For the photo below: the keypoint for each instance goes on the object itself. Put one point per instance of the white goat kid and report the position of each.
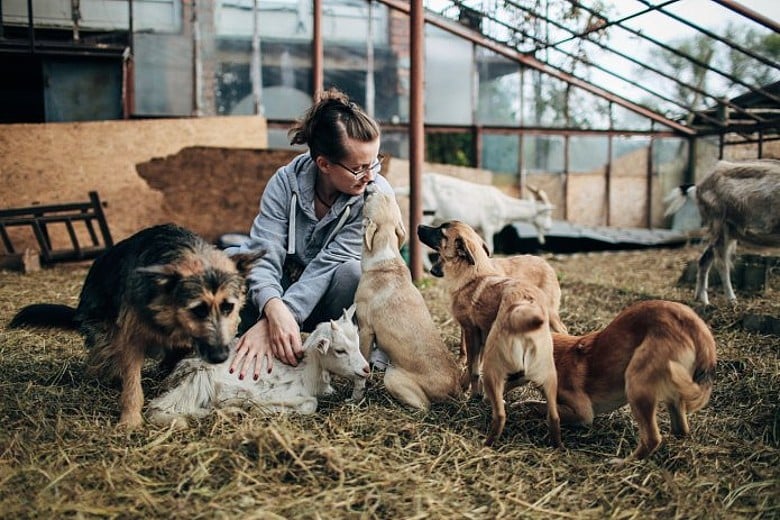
(738, 201)
(482, 206)
(195, 388)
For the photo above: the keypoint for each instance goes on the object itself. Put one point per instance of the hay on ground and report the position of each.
(61, 456)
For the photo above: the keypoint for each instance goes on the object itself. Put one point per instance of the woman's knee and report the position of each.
(347, 277)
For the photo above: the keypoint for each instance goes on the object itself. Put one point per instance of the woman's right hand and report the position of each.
(284, 334)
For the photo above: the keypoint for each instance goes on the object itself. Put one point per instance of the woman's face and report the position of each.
(359, 167)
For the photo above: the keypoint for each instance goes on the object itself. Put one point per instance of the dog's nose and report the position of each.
(213, 354)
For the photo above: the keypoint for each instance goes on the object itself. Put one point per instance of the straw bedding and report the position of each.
(61, 455)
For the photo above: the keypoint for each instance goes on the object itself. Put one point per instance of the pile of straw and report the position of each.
(62, 456)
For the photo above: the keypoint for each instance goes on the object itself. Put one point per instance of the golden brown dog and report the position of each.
(474, 282)
(512, 314)
(163, 290)
(652, 352)
(392, 313)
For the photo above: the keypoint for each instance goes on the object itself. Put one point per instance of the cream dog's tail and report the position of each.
(695, 394)
(525, 316)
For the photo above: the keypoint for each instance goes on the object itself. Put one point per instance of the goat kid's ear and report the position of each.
(246, 261)
(317, 339)
(463, 251)
(350, 312)
(368, 236)
(164, 275)
(322, 344)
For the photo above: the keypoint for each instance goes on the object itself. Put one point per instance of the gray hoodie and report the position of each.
(287, 225)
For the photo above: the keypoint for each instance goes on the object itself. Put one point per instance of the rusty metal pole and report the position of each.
(416, 133)
(317, 76)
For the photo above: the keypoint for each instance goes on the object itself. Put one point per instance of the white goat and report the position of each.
(195, 387)
(737, 201)
(482, 206)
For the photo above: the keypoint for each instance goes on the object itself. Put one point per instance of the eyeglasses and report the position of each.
(362, 172)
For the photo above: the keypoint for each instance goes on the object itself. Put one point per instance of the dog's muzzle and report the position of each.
(428, 235)
(212, 353)
(437, 269)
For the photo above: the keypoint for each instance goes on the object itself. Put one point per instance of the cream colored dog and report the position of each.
(391, 312)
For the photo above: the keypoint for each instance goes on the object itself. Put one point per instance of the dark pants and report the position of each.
(339, 296)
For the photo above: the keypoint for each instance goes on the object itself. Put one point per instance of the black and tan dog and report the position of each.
(164, 291)
(511, 316)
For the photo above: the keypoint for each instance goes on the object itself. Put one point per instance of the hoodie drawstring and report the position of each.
(291, 225)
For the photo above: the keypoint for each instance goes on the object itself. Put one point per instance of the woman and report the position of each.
(310, 224)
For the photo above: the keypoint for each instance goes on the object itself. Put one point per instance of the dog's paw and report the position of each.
(130, 421)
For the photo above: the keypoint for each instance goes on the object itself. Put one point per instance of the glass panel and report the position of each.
(163, 75)
(543, 153)
(499, 89)
(448, 78)
(628, 182)
(450, 148)
(586, 190)
(500, 155)
(543, 100)
(587, 153)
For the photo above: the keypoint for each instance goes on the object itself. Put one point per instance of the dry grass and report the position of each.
(60, 455)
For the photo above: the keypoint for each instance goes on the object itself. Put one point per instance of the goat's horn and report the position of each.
(539, 193)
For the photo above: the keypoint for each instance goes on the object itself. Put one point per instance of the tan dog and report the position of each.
(652, 352)
(392, 313)
(512, 314)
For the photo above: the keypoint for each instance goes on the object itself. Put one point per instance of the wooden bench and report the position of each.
(41, 218)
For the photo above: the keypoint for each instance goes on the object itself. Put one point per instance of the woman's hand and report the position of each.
(253, 346)
(284, 334)
(275, 335)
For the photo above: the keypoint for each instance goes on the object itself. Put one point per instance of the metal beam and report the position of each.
(416, 132)
(534, 63)
(317, 52)
(749, 13)
(676, 52)
(609, 72)
(710, 34)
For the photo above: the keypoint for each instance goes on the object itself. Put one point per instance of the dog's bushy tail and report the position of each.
(525, 317)
(45, 315)
(695, 394)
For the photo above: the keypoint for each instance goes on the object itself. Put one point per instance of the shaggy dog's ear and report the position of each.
(164, 275)
(463, 251)
(485, 247)
(368, 235)
(246, 261)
